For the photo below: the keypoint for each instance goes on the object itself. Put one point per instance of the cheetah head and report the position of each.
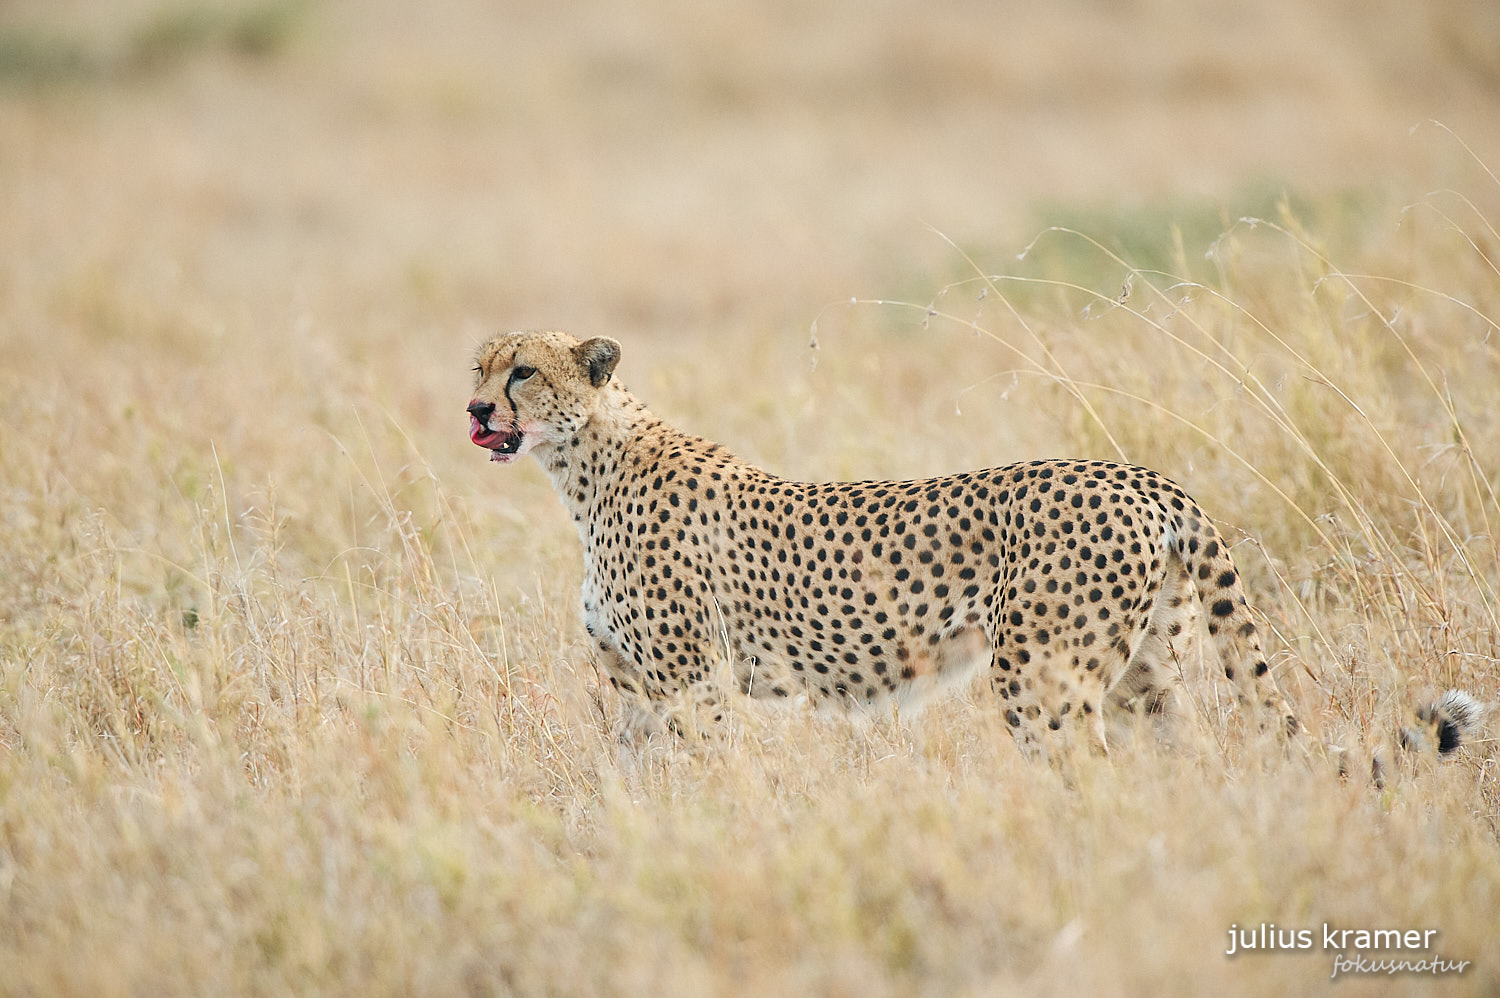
(534, 389)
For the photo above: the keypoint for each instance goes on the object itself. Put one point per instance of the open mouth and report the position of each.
(503, 445)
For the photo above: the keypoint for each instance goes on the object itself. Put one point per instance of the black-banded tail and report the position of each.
(1453, 719)
(1442, 727)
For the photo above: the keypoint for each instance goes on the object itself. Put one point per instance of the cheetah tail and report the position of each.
(1454, 719)
(1235, 637)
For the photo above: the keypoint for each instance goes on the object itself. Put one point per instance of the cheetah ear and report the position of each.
(598, 357)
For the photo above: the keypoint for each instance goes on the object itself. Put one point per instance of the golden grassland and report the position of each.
(293, 696)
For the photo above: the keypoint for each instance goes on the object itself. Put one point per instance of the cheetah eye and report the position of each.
(522, 373)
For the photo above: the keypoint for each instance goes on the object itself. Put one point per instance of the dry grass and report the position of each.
(292, 696)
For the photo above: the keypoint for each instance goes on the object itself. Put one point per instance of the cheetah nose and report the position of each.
(481, 411)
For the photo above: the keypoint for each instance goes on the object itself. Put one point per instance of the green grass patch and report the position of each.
(163, 41)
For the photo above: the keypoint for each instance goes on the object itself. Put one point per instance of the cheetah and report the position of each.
(1067, 580)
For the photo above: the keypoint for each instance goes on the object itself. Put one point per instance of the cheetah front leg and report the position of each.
(641, 714)
(690, 712)
(690, 702)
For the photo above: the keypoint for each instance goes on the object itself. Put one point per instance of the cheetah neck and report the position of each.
(592, 463)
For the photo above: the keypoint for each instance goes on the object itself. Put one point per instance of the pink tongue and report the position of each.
(488, 439)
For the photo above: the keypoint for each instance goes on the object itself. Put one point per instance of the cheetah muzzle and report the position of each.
(1069, 583)
(502, 445)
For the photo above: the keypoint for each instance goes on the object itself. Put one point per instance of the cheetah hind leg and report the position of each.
(1042, 696)
(1152, 683)
(1036, 723)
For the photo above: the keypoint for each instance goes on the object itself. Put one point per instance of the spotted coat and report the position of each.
(1067, 580)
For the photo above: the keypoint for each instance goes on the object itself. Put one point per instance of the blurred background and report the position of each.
(269, 215)
(675, 168)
